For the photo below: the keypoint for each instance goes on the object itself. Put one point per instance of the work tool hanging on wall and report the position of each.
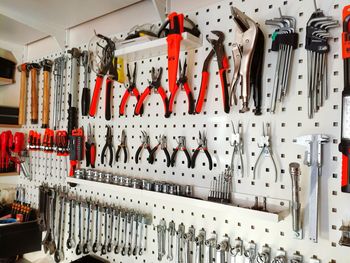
(90, 148)
(76, 147)
(73, 91)
(85, 96)
(344, 146)
(131, 90)
(47, 67)
(156, 87)
(58, 99)
(101, 64)
(284, 41)
(23, 93)
(218, 49)
(248, 56)
(316, 44)
(34, 97)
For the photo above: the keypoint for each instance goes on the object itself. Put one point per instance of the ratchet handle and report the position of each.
(96, 96)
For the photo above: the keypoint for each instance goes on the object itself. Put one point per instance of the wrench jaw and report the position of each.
(265, 255)
(223, 249)
(250, 252)
(237, 249)
(171, 234)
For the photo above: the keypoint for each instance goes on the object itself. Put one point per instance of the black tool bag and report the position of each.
(18, 238)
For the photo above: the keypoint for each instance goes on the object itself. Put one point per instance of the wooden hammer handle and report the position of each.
(22, 99)
(46, 100)
(34, 96)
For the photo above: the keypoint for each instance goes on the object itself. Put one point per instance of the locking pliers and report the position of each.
(247, 58)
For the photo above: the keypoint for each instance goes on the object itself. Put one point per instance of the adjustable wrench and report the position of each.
(171, 234)
(189, 240)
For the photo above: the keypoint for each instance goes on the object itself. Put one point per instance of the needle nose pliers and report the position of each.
(156, 86)
(145, 144)
(130, 91)
(121, 146)
(108, 145)
(202, 145)
(182, 84)
(181, 146)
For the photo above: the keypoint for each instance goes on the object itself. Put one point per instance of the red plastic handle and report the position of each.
(174, 42)
(202, 92)
(123, 103)
(172, 99)
(165, 100)
(143, 96)
(92, 155)
(96, 96)
(73, 166)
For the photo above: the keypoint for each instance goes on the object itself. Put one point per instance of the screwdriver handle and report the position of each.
(92, 155)
(85, 101)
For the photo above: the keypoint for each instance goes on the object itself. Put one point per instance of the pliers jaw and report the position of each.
(156, 77)
(131, 79)
(202, 145)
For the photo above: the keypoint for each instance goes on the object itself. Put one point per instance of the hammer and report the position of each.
(23, 93)
(34, 69)
(47, 67)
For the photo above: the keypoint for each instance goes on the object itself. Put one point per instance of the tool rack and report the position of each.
(290, 121)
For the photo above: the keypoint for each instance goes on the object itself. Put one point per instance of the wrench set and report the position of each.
(207, 247)
(92, 226)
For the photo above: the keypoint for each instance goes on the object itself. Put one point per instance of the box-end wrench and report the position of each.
(117, 214)
(180, 243)
(104, 245)
(95, 245)
(78, 248)
(250, 252)
(210, 244)
(265, 255)
(130, 233)
(146, 220)
(124, 232)
(111, 229)
(223, 249)
(161, 233)
(70, 240)
(86, 247)
(59, 253)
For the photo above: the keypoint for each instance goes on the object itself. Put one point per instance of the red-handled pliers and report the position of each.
(155, 85)
(130, 91)
(182, 84)
(219, 51)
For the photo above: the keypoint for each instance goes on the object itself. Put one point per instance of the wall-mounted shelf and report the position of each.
(9, 174)
(157, 47)
(167, 198)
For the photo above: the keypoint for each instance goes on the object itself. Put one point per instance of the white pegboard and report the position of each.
(289, 122)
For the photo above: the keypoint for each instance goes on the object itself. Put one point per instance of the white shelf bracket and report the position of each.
(162, 7)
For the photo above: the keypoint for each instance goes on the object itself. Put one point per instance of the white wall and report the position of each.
(9, 94)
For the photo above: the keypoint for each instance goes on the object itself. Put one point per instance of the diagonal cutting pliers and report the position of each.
(145, 144)
(181, 146)
(162, 142)
(156, 86)
(121, 146)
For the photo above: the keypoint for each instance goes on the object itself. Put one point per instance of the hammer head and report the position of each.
(34, 66)
(22, 67)
(47, 64)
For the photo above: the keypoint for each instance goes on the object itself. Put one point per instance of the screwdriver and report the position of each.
(344, 146)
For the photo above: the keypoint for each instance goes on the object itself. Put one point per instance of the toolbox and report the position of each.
(19, 238)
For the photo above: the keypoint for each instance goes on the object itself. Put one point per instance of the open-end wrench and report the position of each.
(78, 248)
(59, 253)
(124, 231)
(180, 243)
(161, 235)
(111, 229)
(145, 220)
(199, 240)
(250, 252)
(223, 249)
(86, 248)
(117, 214)
(189, 240)
(131, 232)
(135, 235)
(210, 244)
(265, 255)
(171, 234)
(52, 244)
(104, 245)
(70, 240)
(95, 245)
(237, 248)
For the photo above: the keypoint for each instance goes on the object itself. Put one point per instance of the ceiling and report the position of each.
(25, 21)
